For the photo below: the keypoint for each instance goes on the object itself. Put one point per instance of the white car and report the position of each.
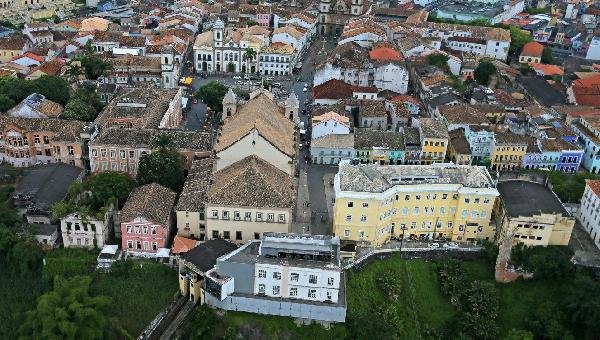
(239, 82)
(451, 245)
(246, 77)
(237, 77)
(304, 89)
(270, 78)
(306, 85)
(433, 245)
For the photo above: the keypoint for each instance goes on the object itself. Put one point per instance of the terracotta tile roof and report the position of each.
(372, 108)
(365, 138)
(507, 137)
(459, 142)
(532, 49)
(594, 185)
(331, 115)
(183, 140)
(194, 195)
(151, 201)
(144, 107)
(337, 89)
(587, 91)
(557, 144)
(294, 31)
(548, 70)
(278, 48)
(431, 128)
(15, 42)
(267, 117)
(385, 52)
(348, 55)
(63, 130)
(182, 244)
(402, 98)
(31, 56)
(463, 114)
(252, 182)
(334, 141)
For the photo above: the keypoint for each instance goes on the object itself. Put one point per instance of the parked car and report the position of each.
(276, 84)
(239, 82)
(203, 75)
(433, 245)
(247, 77)
(270, 78)
(451, 245)
(304, 89)
(237, 77)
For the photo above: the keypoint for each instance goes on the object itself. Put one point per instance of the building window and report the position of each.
(361, 234)
(294, 277)
(276, 290)
(363, 218)
(350, 204)
(236, 215)
(128, 229)
(225, 214)
(262, 273)
(238, 235)
(281, 218)
(153, 230)
(348, 218)
(365, 205)
(215, 234)
(214, 214)
(226, 235)
(312, 279)
(257, 236)
(330, 281)
(277, 275)
(248, 216)
(129, 244)
(312, 293)
(145, 229)
(270, 217)
(347, 233)
(293, 292)
(261, 288)
(259, 216)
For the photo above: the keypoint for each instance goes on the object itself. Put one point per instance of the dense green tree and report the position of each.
(109, 187)
(547, 57)
(552, 262)
(6, 103)
(164, 166)
(19, 252)
(484, 71)
(481, 310)
(518, 334)
(15, 88)
(53, 88)
(518, 38)
(212, 94)
(547, 321)
(453, 280)
(583, 305)
(439, 60)
(204, 323)
(68, 312)
(77, 109)
(569, 188)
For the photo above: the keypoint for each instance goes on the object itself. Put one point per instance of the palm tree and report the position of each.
(249, 54)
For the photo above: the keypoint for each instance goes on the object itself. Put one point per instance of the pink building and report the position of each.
(263, 19)
(146, 218)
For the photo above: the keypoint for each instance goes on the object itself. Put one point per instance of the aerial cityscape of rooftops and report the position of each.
(292, 169)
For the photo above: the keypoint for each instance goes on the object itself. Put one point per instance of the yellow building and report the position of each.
(508, 150)
(434, 140)
(376, 202)
(13, 46)
(191, 207)
(530, 213)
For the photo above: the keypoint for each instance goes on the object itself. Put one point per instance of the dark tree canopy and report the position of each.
(53, 88)
(84, 105)
(108, 187)
(164, 166)
(547, 57)
(484, 71)
(212, 94)
(68, 312)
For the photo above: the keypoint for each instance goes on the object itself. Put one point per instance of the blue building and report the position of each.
(588, 130)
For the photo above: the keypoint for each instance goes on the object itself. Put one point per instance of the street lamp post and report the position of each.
(402, 239)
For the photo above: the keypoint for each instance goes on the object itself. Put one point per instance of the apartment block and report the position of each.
(375, 202)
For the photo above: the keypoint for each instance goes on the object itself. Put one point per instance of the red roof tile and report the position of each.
(533, 49)
(548, 70)
(587, 91)
(384, 53)
(594, 184)
(31, 56)
(182, 244)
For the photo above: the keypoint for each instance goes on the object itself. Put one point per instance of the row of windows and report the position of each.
(225, 215)
(293, 292)
(418, 197)
(413, 225)
(295, 277)
(113, 153)
(139, 245)
(140, 229)
(275, 59)
(227, 235)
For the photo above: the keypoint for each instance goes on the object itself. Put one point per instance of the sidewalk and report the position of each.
(302, 216)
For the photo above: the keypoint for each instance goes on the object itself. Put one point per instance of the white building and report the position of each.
(224, 50)
(282, 274)
(589, 217)
(332, 148)
(291, 35)
(330, 123)
(79, 230)
(593, 52)
(277, 59)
